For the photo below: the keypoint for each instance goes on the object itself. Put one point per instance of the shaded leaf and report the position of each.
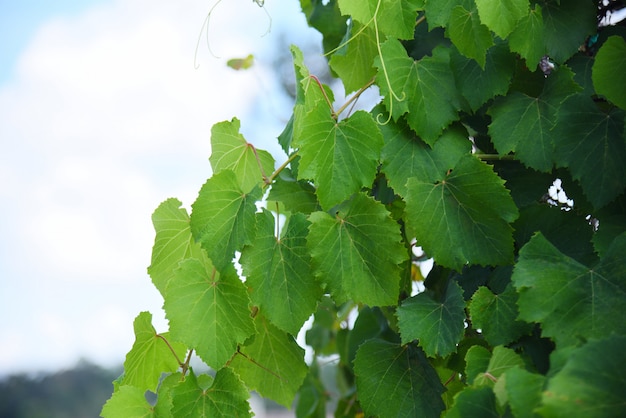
(469, 35)
(527, 38)
(474, 402)
(566, 26)
(523, 390)
(609, 71)
(354, 62)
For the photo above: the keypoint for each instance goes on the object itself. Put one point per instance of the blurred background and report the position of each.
(106, 108)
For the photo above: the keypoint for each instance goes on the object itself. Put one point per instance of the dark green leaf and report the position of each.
(474, 402)
(527, 38)
(566, 25)
(523, 390)
(609, 71)
(396, 381)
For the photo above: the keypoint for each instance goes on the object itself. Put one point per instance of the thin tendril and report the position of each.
(205, 23)
(332, 51)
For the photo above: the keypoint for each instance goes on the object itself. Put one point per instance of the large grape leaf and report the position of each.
(357, 252)
(226, 396)
(464, 217)
(396, 381)
(590, 142)
(273, 364)
(354, 62)
(569, 299)
(208, 311)
(424, 88)
(150, 355)
(527, 38)
(172, 244)
(502, 16)
(523, 390)
(295, 195)
(230, 151)
(438, 323)
(339, 157)
(496, 315)
(404, 155)
(523, 123)
(609, 71)
(592, 382)
(567, 25)
(128, 402)
(474, 402)
(469, 35)
(438, 12)
(476, 84)
(395, 18)
(222, 217)
(278, 272)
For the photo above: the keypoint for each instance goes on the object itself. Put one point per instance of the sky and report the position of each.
(103, 115)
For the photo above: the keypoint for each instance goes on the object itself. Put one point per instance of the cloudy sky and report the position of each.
(102, 117)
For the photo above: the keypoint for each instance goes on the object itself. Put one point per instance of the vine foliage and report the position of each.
(484, 104)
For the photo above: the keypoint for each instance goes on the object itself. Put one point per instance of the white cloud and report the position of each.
(105, 118)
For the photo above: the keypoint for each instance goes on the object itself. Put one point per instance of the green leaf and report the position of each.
(476, 362)
(326, 18)
(569, 299)
(609, 71)
(590, 142)
(396, 381)
(222, 217)
(424, 87)
(502, 16)
(478, 85)
(502, 359)
(438, 12)
(523, 390)
(469, 35)
(150, 355)
(127, 402)
(173, 242)
(523, 124)
(567, 25)
(464, 217)
(279, 274)
(354, 62)
(226, 397)
(395, 18)
(592, 382)
(340, 158)
(208, 311)
(273, 364)
(474, 402)
(404, 155)
(527, 39)
(241, 63)
(438, 324)
(357, 252)
(496, 315)
(230, 151)
(296, 196)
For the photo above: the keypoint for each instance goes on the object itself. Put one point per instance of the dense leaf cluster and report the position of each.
(484, 104)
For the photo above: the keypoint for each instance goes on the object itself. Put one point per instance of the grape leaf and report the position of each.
(438, 12)
(230, 151)
(326, 18)
(591, 143)
(502, 359)
(404, 155)
(476, 362)
(396, 381)
(226, 397)
(340, 157)
(527, 38)
(592, 382)
(354, 62)
(464, 217)
(469, 35)
(273, 364)
(502, 16)
(523, 390)
(474, 402)
(127, 402)
(609, 71)
(279, 274)
(477, 84)
(208, 311)
(295, 195)
(395, 18)
(222, 217)
(569, 299)
(437, 324)
(357, 252)
(523, 124)
(424, 87)
(566, 25)
(150, 355)
(172, 244)
(496, 315)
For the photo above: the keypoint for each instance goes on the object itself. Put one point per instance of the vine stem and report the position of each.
(180, 363)
(258, 161)
(494, 157)
(321, 86)
(271, 178)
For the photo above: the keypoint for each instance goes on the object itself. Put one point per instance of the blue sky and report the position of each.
(102, 117)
